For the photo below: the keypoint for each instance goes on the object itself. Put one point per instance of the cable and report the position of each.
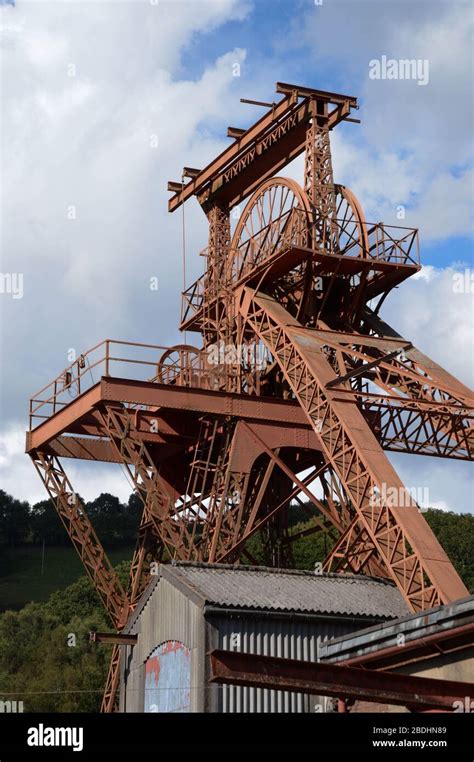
(99, 690)
(183, 245)
(90, 369)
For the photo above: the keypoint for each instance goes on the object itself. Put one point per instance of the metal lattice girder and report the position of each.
(109, 699)
(222, 463)
(240, 489)
(402, 538)
(420, 409)
(435, 373)
(318, 175)
(333, 514)
(218, 245)
(79, 528)
(157, 495)
(254, 520)
(148, 545)
(355, 552)
(140, 575)
(269, 144)
(227, 494)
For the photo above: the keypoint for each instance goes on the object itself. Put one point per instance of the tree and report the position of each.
(45, 524)
(455, 532)
(14, 520)
(46, 657)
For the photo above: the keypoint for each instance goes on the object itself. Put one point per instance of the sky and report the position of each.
(103, 102)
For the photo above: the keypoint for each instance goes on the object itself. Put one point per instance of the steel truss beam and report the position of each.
(402, 539)
(318, 176)
(73, 515)
(245, 492)
(153, 396)
(103, 576)
(158, 496)
(419, 409)
(113, 676)
(269, 144)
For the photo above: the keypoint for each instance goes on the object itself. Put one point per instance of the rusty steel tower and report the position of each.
(295, 386)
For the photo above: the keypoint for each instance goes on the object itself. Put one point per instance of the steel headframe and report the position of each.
(298, 388)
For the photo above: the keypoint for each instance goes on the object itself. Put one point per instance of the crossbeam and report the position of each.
(364, 368)
(114, 638)
(264, 148)
(317, 679)
(310, 92)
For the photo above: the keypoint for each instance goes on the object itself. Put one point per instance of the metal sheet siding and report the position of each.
(173, 612)
(168, 678)
(167, 616)
(291, 639)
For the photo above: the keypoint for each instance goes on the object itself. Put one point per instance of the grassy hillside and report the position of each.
(21, 578)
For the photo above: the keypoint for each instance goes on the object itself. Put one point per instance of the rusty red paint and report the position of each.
(153, 666)
(260, 288)
(171, 646)
(167, 678)
(174, 645)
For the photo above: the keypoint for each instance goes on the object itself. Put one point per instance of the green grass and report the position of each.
(22, 581)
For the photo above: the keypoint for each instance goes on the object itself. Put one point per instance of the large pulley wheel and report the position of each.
(276, 218)
(349, 233)
(277, 224)
(178, 365)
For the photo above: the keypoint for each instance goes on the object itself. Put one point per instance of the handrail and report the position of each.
(368, 241)
(378, 242)
(181, 367)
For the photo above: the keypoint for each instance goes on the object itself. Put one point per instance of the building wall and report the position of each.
(170, 624)
(290, 638)
(458, 666)
(167, 617)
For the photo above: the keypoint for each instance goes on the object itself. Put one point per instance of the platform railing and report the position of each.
(367, 241)
(121, 359)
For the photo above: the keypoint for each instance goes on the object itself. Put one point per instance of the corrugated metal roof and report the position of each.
(423, 624)
(253, 587)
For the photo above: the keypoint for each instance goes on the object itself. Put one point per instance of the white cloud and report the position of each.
(428, 311)
(84, 141)
(447, 484)
(438, 203)
(414, 145)
(18, 476)
(445, 209)
(84, 214)
(83, 93)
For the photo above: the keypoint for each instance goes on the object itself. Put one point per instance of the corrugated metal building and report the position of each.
(438, 643)
(190, 609)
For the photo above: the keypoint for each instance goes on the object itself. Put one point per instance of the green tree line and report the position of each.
(46, 658)
(24, 524)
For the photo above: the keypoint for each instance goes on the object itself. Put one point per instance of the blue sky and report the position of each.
(270, 33)
(83, 139)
